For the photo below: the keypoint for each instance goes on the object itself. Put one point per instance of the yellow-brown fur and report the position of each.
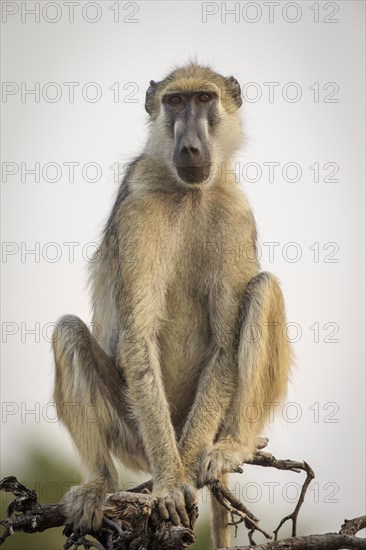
(175, 288)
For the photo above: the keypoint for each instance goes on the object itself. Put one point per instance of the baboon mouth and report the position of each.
(194, 174)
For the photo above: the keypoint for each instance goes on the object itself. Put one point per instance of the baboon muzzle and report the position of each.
(192, 158)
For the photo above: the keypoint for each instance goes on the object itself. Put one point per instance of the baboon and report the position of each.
(186, 330)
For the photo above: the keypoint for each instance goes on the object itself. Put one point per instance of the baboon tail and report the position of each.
(220, 521)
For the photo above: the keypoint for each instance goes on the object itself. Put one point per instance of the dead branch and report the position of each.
(343, 540)
(266, 459)
(131, 521)
(235, 507)
(128, 521)
(353, 526)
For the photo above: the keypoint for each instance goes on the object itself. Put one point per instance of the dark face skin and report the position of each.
(191, 117)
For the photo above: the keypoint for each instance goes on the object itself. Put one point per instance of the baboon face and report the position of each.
(191, 116)
(191, 107)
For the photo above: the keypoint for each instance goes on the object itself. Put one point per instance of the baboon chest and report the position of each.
(184, 330)
(206, 259)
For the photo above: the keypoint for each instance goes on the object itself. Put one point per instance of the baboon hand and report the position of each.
(225, 456)
(175, 502)
(83, 507)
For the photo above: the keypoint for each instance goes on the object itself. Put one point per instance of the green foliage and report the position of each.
(203, 534)
(51, 477)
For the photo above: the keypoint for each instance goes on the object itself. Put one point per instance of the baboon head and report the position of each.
(194, 121)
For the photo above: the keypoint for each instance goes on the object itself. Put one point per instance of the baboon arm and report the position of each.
(217, 380)
(139, 357)
(215, 390)
(257, 374)
(140, 304)
(146, 389)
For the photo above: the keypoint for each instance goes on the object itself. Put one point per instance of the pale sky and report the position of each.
(302, 75)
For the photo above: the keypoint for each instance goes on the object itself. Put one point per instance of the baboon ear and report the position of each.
(233, 90)
(150, 97)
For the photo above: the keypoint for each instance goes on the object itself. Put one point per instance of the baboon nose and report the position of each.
(190, 150)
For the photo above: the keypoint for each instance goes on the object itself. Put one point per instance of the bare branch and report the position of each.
(353, 526)
(236, 507)
(328, 541)
(131, 520)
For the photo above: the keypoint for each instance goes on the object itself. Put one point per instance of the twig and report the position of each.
(266, 459)
(234, 506)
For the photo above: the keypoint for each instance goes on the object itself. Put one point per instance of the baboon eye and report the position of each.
(204, 98)
(175, 99)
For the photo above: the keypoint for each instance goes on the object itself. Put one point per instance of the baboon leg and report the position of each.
(90, 401)
(264, 358)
